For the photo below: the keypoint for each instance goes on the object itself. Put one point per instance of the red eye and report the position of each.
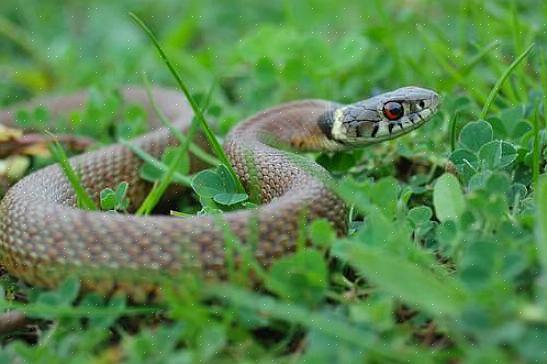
(393, 110)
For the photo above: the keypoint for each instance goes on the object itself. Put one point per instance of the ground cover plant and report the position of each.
(447, 251)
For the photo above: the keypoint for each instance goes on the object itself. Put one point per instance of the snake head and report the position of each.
(383, 117)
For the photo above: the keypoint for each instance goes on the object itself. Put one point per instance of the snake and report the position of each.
(44, 236)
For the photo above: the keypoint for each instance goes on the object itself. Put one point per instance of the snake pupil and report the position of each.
(393, 110)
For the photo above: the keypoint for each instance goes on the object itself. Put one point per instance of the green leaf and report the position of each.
(23, 119)
(339, 162)
(466, 161)
(477, 263)
(448, 198)
(498, 154)
(384, 194)
(321, 233)
(152, 173)
(404, 279)
(210, 341)
(476, 134)
(218, 184)
(447, 232)
(324, 349)
(68, 290)
(355, 193)
(509, 119)
(301, 277)
(376, 309)
(114, 200)
(121, 196)
(229, 199)
(133, 124)
(330, 325)
(498, 182)
(108, 199)
(420, 214)
(532, 344)
(208, 183)
(64, 295)
(478, 181)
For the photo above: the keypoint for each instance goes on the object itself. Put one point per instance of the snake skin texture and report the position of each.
(44, 237)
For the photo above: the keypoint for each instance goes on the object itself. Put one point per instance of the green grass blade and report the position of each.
(543, 76)
(499, 83)
(215, 145)
(479, 57)
(196, 150)
(404, 279)
(84, 200)
(536, 148)
(38, 309)
(336, 328)
(177, 177)
(453, 137)
(541, 230)
(159, 188)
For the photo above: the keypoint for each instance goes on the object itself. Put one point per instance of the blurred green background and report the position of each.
(264, 52)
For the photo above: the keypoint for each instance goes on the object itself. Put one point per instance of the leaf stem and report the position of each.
(215, 145)
(499, 83)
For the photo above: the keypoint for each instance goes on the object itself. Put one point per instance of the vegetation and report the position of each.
(446, 259)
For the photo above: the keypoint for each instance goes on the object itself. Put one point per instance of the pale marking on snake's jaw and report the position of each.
(338, 131)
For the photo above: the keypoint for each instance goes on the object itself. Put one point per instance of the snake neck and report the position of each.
(302, 126)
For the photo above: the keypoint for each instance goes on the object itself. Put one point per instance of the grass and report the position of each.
(438, 268)
(84, 201)
(163, 183)
(213, 142)
(502, 79)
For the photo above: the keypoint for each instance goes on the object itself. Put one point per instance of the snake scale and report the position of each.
(44, 237)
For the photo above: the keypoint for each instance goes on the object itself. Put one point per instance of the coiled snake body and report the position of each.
(43, 236)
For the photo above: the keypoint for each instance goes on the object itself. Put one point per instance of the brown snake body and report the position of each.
(43, 236)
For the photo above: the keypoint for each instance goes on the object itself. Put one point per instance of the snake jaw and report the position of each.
(384, 117)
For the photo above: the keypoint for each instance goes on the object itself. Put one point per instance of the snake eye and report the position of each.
(393, 110)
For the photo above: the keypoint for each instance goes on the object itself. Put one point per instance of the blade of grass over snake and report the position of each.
(543, 77)
(215, 145)
(159, 188)
(536, 147)
(541, 230)
(177, 177)
(84, 200)
(196, 150)
(501, 80)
